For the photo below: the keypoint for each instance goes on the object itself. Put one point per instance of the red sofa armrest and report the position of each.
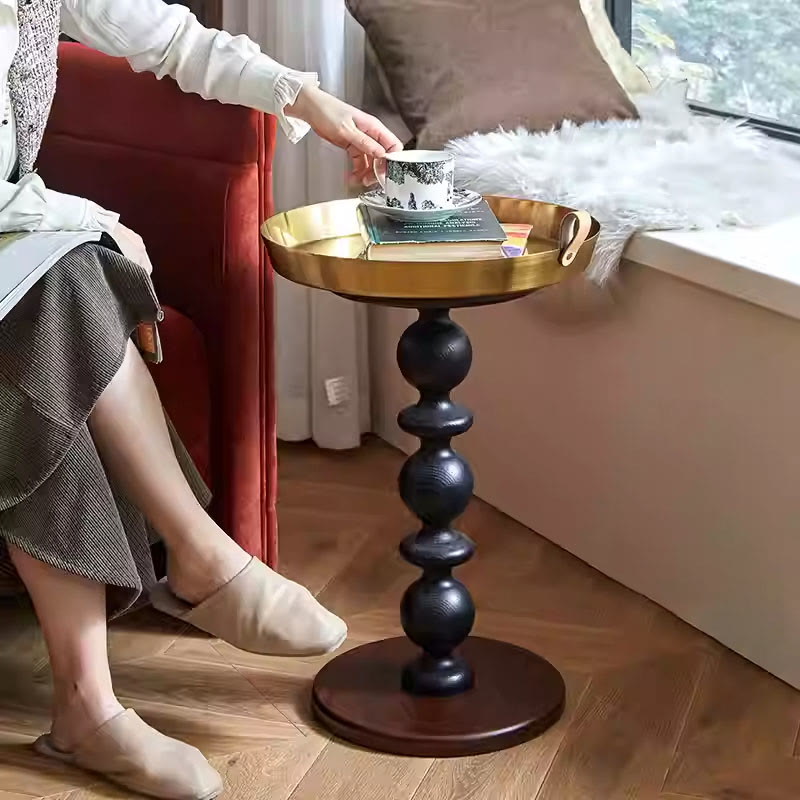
(194, 179)
(172, 164)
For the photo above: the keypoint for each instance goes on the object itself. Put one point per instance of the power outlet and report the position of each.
(337, 391)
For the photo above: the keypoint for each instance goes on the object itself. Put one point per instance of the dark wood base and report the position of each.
(517, 696)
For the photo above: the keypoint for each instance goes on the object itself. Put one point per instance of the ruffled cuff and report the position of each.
(99, 219)
(287, 88)
(269, 87)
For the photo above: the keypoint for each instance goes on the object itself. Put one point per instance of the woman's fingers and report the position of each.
(367, 140)
(361, 165)
(132, 246)
(363, 152)
(360, 142)
(370, 136)
(378, 132)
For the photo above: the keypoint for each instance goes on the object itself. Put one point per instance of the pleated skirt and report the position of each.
(60, 347)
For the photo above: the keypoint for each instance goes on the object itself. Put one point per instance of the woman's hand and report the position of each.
(132, 247)
(364, 137)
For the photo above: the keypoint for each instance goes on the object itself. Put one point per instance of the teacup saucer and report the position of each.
(462, 200)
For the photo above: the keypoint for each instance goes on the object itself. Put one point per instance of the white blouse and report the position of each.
(155, 37)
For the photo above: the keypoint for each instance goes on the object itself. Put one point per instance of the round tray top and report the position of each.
(321, 246)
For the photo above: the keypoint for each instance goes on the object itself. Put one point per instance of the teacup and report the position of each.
(417, 180)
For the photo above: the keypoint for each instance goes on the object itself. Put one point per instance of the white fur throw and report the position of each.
(671, 169)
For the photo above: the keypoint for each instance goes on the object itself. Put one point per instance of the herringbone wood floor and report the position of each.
(656, 710)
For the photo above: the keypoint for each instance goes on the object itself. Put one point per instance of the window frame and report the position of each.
(620, 12)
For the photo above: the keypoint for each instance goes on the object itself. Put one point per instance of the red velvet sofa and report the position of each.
(194, 179)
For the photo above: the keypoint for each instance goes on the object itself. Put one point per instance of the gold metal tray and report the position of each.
(320, 246)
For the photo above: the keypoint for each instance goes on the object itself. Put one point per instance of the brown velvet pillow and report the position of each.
(460, 66)
(378, 99)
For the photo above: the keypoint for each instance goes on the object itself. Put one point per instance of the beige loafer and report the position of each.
(261, 612)
(127, 751)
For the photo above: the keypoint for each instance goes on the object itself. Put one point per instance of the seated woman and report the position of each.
(88, 463)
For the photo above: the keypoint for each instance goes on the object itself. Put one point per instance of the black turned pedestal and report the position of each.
(438, 692)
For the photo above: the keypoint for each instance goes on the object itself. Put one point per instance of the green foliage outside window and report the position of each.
(741, 56)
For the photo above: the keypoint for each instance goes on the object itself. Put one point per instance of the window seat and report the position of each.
(759, 265)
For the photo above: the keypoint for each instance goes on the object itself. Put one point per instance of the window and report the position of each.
(740, 57)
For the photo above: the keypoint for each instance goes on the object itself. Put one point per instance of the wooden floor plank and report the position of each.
(520, 573)
(143, 634)
(316, 546)
(272, 773)
(377, 576)
(25, 703)
(343, 772)
(624, 733)
(515, 774)
(735, 735)
(23, 771)
(671, 796)
(192, 685)
(301, 462)
(22, 646)
(101, 790)
(346, 501)
(213, 733)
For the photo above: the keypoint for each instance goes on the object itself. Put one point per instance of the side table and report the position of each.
(436, 692)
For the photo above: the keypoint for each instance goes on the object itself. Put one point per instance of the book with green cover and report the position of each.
(471, 234)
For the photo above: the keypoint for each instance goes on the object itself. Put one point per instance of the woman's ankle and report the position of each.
(196, 570)
(78, 711)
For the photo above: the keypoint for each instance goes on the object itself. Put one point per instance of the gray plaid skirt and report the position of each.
(59, 349)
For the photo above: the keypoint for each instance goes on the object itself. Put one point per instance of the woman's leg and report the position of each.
(72, 614)
(264, 613)
(131, 435)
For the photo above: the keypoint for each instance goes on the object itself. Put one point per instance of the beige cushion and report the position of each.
(630, 77)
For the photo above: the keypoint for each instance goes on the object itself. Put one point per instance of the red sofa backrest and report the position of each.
(191, 176)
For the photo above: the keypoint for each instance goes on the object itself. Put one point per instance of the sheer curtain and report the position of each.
(320, 337)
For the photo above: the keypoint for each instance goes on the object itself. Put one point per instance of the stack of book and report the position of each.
(474, 234)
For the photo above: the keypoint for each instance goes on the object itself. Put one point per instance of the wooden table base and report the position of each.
(517, 695)
(438, 692)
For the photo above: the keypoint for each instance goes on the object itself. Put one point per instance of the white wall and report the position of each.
(655, 434)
